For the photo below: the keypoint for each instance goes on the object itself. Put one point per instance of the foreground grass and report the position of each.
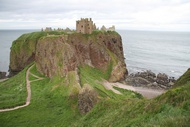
(53, 105)
(159, 112)
(13, 91)
(49, 106)
(172, 109)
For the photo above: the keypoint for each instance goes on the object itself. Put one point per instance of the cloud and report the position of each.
(124, 14)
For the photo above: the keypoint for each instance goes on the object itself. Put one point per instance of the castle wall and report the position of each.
(84, 26)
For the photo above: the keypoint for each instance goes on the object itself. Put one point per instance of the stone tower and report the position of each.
(85, 26)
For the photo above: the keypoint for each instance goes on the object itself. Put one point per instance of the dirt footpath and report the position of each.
(146, 92)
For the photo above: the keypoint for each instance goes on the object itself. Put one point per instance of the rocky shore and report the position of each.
(150, 80)
(3, 75)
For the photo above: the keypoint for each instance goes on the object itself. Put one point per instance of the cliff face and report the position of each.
(56, 55)
(22, 53)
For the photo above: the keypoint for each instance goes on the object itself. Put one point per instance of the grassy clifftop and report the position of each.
(23, 49)
(55, 51)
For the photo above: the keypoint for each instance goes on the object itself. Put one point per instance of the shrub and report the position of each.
(87, 98)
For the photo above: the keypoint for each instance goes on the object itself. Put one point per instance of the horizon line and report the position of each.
(115, 30)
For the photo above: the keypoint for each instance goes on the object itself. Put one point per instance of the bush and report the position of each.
(87, 98)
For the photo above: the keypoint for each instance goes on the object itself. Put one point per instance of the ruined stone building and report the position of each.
(85, 26)
(47, 29)
(112, 28)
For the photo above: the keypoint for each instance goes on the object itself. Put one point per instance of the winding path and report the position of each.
(28, 91)
(2, 80)
(146, 92)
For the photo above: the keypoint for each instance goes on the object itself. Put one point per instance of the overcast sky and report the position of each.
(170, 15)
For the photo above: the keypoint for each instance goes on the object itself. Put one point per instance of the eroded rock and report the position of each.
(2, 75)
(56, 55)
(162, 79)
(87, 98)
(150, 79)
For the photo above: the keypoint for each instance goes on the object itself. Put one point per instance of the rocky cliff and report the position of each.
(56, 54)
(23, 50)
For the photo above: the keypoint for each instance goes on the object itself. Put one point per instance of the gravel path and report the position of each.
(28, 91)
(1, 80)
(146, 92)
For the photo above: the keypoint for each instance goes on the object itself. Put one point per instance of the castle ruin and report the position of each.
(85, 26)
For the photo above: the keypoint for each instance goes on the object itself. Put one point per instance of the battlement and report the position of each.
(85, 19)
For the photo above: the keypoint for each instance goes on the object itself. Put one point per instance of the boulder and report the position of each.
(172, 79)
(155, 84)
(163, 86)
(2, 75)
(149, 75)
(170, 83)
(150, 85)
(141, 81)
(118, 73)
(151, 79)
(162, 78)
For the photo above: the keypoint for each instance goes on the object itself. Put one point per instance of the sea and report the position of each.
(160, 52)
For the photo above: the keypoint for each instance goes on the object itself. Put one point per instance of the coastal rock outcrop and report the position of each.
(23, 52)
(2, 75)
(57, 54)
(63, 53)
(150, 79)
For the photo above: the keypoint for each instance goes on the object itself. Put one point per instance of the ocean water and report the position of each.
(6, 39)
(165, 52)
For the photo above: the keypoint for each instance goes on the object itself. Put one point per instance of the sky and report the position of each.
(160, 15)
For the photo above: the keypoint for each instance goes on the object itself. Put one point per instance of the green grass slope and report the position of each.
(183, 79)
(50, 106)
(171, 109)
(53, 105)
(13, 91)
